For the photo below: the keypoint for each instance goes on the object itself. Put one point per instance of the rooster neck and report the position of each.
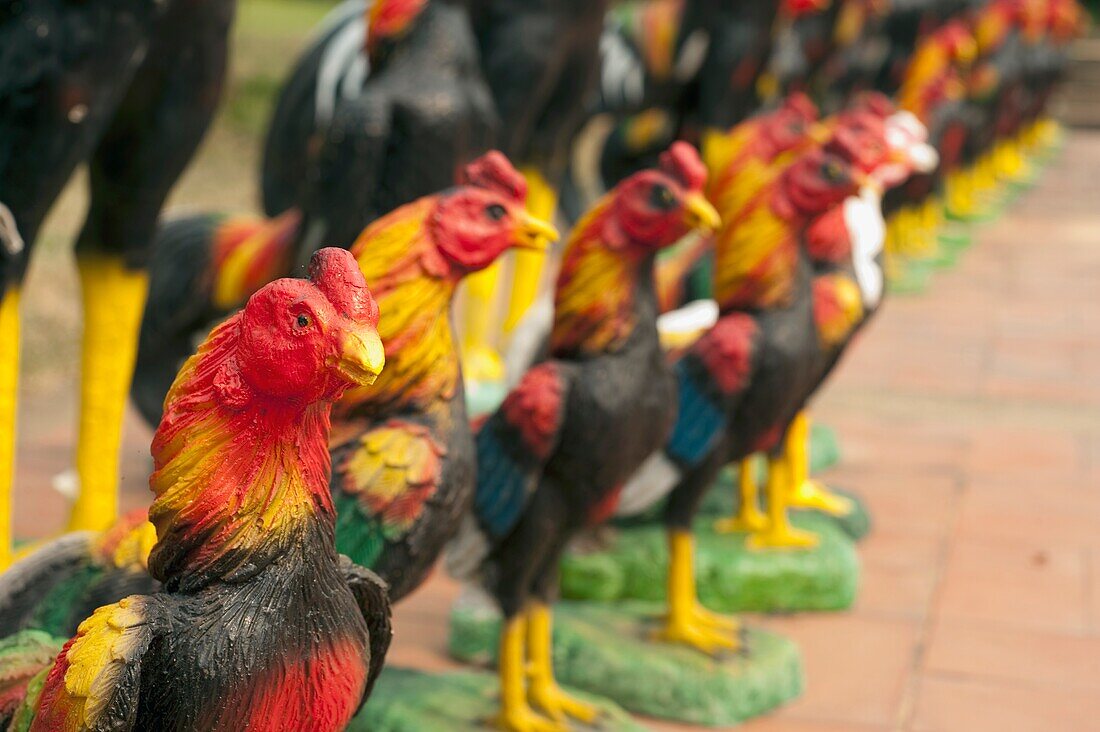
(239, 490)
(756, 255)
(414, 287)
(596, 298)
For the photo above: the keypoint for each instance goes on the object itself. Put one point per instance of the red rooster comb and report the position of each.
(682, 163)
(797, 8)
(493, 172)
(802, 105)
(335, 272)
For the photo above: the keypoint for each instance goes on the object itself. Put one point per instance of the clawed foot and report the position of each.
(748, 520)
(703, 630)
(812, 494)
(559, 706)
(782, 537)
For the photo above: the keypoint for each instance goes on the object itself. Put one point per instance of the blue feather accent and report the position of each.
(502, 482)
(699, 421)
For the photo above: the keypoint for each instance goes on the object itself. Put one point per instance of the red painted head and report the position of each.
(788, 127)
(860, 139)
(475, 223)
(308, 340)
(655, 208)
(814, 184)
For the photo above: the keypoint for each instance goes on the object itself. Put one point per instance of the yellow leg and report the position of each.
(688, 622)
(113, 300)
(780, 534)
(805, 492)
(515, 714)
(544, 691)
(749, 516)
(542, 200)
(480, 361)
(9, 391)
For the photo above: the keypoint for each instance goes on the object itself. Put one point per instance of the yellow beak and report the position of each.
(820, 132)
(536, 234)
(362, 357)
(699, 214)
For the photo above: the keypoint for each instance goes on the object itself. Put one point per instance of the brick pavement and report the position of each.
(969, 419)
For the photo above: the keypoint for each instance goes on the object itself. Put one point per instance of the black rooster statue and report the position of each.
(552, 458)
(127, 87)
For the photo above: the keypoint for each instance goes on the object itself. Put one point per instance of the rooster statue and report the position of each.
(744, 383)
(402, 451)
(539, 60)
(332, 166)
(552, 458)
(261, 624)
(421, 114)
(128, 88)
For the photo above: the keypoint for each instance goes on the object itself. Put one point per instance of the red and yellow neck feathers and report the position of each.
(756, 256)
(757, 248)
(743, 160)
(241, 461)
(603, 261)
(413, 284)
(933, 74)
(232, 477)
(594, 299)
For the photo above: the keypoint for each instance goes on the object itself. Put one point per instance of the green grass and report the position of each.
(268, 36)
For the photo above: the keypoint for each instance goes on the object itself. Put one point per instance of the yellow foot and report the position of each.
(524, 719)
(716, 620)
(559, 706)
(812, 494)
(482, 364)
(703, 631)
(746, 521)
(782, 537)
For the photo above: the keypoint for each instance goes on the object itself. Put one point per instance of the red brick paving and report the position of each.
(969, 418)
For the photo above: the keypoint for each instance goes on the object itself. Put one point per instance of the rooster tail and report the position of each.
(654, 480)
(203, 267)
(25, 658)
(178, 309)
(37, 590)
(59, 584)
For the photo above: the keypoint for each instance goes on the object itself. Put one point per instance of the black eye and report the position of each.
(661, 198)
(304, 321)
(495, 211)
(832, 172)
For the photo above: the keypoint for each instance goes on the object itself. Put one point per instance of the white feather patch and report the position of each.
(867, 232)
(654, 480)
(697, 315)
(343, 53)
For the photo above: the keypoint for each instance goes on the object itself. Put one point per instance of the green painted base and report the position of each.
(604, 649)
(955, 237)
(406, 700)
(730, 578)
(910, 277)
